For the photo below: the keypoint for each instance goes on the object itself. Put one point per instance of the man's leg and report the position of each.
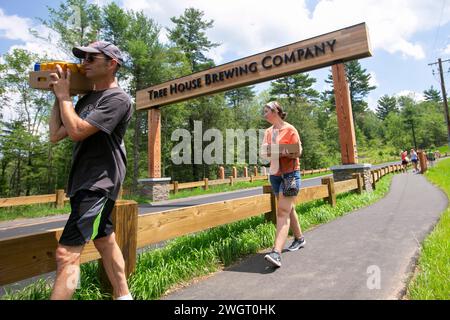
(113, 263)
(67, 272)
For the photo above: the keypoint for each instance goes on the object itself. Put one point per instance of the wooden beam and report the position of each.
(153, 228)
(18, 201)
(154, 143)
(341, 45)
(344, 114)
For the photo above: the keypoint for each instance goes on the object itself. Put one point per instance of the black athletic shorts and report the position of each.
(90, 218)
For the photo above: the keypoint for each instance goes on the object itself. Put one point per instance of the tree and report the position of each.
(237, 98)
(76, 22)
(411, 118)
(295, 87)
(31, 108)
(359, 85)
(432, 95)
(386, 105)
(138, 36)
(189, 35)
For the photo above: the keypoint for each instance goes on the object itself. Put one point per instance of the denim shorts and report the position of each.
(277, 181)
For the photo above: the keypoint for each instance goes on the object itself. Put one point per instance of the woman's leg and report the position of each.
(285, 205)
(295, 224)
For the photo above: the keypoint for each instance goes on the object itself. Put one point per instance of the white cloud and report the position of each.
(252, 26)
(447, 50)
(17, 28)
(14, 27)
(372, 103)
(416, 96)
(373, 79)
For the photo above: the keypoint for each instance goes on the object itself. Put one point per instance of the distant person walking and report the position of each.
(284, 178)
(404, 155)
(414, 159)
(431, 157)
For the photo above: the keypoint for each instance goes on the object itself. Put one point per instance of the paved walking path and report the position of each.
(368, 254)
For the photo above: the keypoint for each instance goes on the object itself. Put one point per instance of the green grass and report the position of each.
(200, 254)
(32, 211)
(444, 149)
(432, 281)
(226, 187)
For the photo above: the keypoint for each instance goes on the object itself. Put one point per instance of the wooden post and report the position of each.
(154, 143)
(234, 172)
(344, 114)
(206, 183)
(422, 161)
(251, 178)
(125, 220)
(360, 182)
(245, 172)
(231, 181)
(374, 182)
(331, 199)
(255, 171)
(264, 171)
(175, 187)
(221, 173)
(271, 216)
(60, 195)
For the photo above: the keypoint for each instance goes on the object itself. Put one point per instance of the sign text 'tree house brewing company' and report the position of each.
(338, 46)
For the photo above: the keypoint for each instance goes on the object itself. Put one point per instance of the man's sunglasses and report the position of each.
(92, 58)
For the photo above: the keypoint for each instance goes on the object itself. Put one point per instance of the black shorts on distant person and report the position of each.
(404, 162)
(90, 218)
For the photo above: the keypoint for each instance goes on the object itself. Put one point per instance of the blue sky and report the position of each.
(406, 35)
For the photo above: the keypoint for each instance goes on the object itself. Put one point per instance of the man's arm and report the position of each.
(57, 129)
(76, 128)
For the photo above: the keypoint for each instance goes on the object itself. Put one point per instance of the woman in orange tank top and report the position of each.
(284, 178)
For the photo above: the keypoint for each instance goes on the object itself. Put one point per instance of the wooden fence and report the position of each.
(206, 183)
(58, 198)
(23, 257)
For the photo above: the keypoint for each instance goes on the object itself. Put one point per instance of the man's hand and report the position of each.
(60, 82)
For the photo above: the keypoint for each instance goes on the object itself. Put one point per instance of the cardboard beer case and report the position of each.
(279, 148)
(79, 84)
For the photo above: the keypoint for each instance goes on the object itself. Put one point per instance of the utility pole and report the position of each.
(444, 97)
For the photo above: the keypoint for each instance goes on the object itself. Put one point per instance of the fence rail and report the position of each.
(23, 257)
(205, 183)
(58, 198)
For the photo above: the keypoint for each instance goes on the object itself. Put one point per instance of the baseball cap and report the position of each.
(104, 47)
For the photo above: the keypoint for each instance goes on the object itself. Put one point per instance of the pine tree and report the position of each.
(386, 105)
(359, 85)
(295, 87)
(432, 95)
(189, 35)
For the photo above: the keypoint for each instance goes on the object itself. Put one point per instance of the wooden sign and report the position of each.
(339, 46)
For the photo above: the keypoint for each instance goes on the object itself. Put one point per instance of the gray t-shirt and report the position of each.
(99, 161)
